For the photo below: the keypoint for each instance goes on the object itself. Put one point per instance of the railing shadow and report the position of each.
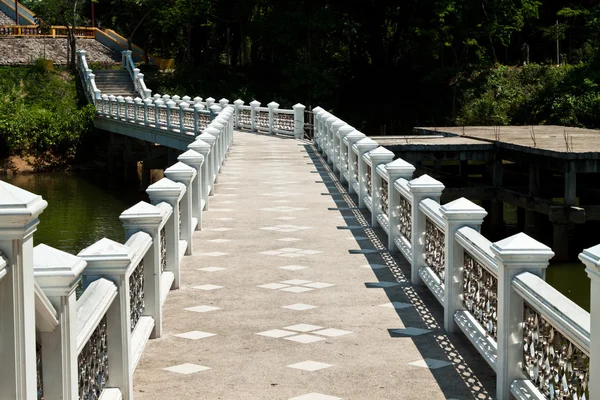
(423, 318)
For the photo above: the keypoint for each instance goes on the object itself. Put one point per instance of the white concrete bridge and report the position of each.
(321, 270)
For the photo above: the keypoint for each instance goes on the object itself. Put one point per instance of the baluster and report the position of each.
(147, 103)
(182, 107)
(424, 187)
(513, 255)
(253, 105)
(203, 148)
(184, 174)
(352, 138)
(365, 145)
(171, 105)
(272, 107)
(457, 214)
(144, 217)
(128, 116)
(591, 258)
(197, 107)
(58, 274)
(396, 169)
(136, 113)
(380, 155)
(208, 138)
(165, 190)
(215, 133)
(238, 103)
(18, 221)
(195, 160)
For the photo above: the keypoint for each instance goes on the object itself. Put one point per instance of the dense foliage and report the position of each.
(385, 65)
(40, 113)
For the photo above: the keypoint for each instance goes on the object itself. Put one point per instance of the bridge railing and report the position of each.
(270, 119)
(52, 32)
(76, 326)
(541, 344)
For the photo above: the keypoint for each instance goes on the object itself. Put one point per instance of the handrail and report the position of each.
(55, 31)
(92, 307)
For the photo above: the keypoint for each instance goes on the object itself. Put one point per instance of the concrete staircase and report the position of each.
(116, 82)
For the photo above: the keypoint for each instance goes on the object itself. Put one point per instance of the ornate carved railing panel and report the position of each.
(38, 366)
(480, 291)
(385, 201)
(434, 249)
(162, 115)
(136, 294)
(93, 364)
(203, 121)
(368, 180)
(174, 116)
(284, 122)
(558, 368)
(245, 116)
(150, 117)
(163, 250)
(355, 170)
(188, 119)
(179, 210)
(262, 119)
(130, 110)
(405, 218)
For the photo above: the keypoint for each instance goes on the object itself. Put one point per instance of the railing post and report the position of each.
(317, 112)
(238, 103)
(198, 100)
(187, 99)
(144, 217)
(184, 174)
(171, 193)
(195, 160)
(19, 211)
(352, 138)
(328, 137)
(112, 106)
(111, 260)
(157, 106)
(516, 254)
(298, 120)
(214, 111)
(209, 102)
(209, 139)
(341, 157)
(182, 106)
(176, 99)
(457, 214)
(272, 106)
(136, 78)
(424, 187)
(58, 275)
(364, 146)
(396, 169)
(120, 106)
(223, 103)
(335, 144)
(591, 258)
(204, 149)
(253, 105)
(220, 123)
(380, 155)
(216, 156)
(105, 103)
(197, 107)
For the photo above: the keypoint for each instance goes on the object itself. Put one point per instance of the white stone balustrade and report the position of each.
(204, 149)
(183, 173)
(195, 160)
(535, 338)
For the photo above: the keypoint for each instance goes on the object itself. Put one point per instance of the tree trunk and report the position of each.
(130, 38)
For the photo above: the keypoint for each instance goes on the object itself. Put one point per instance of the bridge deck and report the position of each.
(299, 280)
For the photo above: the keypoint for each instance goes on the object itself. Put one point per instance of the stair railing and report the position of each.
(136, 76)
(88, 79)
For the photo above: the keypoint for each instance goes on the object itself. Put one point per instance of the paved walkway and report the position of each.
(290, 295)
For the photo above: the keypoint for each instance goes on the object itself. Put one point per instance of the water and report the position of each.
(82, 207)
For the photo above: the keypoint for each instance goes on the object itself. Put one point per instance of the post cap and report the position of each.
(200, 146)
(298, 106)
(107, 257)
(426, 185)
(207, 137)
(145, 215)
(255, 103)
(180, 172)
(273, 105)
(165, 190)
(239, 102)
(57, 272)
(522, 251)
(19, 211)
(183, 105)
(192, 158)
(197, 99)
(591, 258)
(464, 210)
(210, 100)
(187, 99)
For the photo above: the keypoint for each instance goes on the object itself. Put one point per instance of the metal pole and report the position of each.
(17, 12)
(557, 45)
(93, 24)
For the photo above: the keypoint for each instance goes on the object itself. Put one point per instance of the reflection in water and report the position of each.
(82, 208)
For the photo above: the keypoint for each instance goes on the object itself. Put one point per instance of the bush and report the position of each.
(533, 94)
(40, 113)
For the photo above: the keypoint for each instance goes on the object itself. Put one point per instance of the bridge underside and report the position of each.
(291, 295)
(170, 139)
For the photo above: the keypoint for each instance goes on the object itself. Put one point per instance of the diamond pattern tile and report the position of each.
(202, 309)
(296, 289)
(332, 332)
(299, 307)
(295, 282)
(212, 269)
(318, 285)
(195, 335)
(315, 396)
(290, 252)
(276, 333)
(186, 368)
(310, 366)
(207, 287)
(213, 254)
(293, 267)
(305, 339)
